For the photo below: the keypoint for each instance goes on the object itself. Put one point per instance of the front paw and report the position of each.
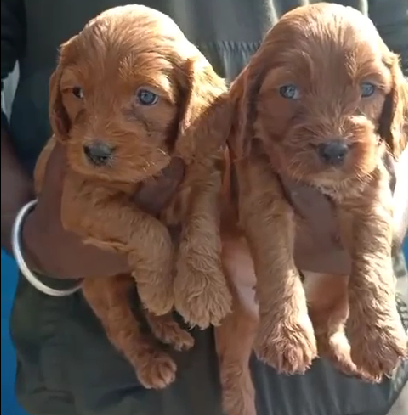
(290, 347)
(377, 347)
(171, 333)
(154, 277)
(336, 349)
(157, 372)
(201, 296)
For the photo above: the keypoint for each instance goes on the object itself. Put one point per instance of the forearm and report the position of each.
(16, 186)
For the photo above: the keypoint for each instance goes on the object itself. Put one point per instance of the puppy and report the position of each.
(130, 98)
(322, 105)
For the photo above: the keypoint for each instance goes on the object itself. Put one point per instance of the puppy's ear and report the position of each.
(59, 118)
(243, 94)
(393, 124)
(204, 120)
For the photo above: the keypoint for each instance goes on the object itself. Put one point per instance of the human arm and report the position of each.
(15, 183)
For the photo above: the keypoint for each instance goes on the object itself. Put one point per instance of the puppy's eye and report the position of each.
(146, 97)
(289, 91)
(367, 89)
(78, 92)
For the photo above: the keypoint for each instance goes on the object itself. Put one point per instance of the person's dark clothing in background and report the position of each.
(66, 366)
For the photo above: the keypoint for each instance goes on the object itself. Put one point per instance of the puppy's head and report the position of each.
(127, 94)
(321, 96)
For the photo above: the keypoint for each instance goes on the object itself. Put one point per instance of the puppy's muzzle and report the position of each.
(333, 152)
(98, 153)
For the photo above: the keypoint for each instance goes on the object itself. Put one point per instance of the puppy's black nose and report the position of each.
(98, 153)
(333, 152)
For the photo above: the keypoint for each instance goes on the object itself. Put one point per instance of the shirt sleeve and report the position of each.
(13, 37)
(391, 19)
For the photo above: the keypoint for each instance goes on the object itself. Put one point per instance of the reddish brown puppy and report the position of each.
(323, 103)
(131, 97)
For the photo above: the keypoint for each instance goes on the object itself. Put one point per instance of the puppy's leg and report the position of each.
(285, 338)
(169, 332)
(377, 337)
(108, 297)
(235, 336)
(327, 298)
(201, 293)
(113, 222)
(234, 341)
(152, 259)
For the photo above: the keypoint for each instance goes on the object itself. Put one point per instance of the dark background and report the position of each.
(9, 404)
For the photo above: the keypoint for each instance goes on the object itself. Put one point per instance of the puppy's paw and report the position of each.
(377, 348)
(171, 333)
(290, 347)
(182, 341)
(201, 298)
(336, 348)
(157, 371)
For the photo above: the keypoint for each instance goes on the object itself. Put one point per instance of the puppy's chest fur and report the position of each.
(316, 212)
(348, 191)
(173, 214)
(85, 198)
(177, 209)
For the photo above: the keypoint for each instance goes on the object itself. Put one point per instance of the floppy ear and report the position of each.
(59, 118)
(244, 92)
(393, 124)
(205, 117)
(240, 138)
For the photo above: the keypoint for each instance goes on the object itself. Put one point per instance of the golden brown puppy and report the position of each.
(131, 96)
(322, 103)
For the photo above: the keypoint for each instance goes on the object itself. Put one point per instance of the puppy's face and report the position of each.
(326, 92)
(123, 95)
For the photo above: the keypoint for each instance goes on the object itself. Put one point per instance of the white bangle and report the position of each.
(30, 276)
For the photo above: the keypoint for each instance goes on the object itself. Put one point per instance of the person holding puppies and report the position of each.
(66, 364)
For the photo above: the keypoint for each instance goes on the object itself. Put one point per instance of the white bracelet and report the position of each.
(30, 276)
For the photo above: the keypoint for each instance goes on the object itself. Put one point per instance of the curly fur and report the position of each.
(326, 51)
(119, 52)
